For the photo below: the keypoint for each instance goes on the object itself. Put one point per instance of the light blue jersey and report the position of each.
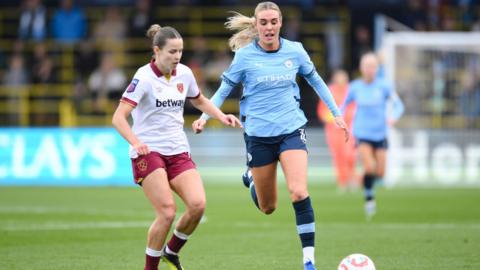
(370, 120)
(269, 105)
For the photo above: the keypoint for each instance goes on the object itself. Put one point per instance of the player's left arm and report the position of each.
(397, 108)
(206, 106)
(308, 71)
(324, 93)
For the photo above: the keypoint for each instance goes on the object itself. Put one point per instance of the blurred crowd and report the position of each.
(99, 62)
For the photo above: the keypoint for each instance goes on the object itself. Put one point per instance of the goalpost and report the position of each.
(437, 75)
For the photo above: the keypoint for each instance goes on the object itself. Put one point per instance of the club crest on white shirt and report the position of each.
(180, 87)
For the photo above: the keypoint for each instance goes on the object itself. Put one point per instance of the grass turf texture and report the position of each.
(105, 228)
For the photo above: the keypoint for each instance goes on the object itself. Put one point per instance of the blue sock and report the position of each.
(305, 222)
(247, 178)
(368, 183)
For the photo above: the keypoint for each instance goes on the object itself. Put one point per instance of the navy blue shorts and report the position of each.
(382, 144)
(265, 150)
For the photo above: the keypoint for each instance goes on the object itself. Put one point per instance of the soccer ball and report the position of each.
(356, 262)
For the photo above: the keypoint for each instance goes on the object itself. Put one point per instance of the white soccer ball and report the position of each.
(356, 262)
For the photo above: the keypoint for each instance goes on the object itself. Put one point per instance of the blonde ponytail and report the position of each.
(245, 27)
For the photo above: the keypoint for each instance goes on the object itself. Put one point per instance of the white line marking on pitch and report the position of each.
(389, 226)
(62, 226)
(44, 210)
(59, 226)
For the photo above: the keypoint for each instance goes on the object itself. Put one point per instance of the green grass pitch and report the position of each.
(105, 228)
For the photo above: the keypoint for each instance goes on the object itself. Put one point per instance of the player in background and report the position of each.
(274, 124)
(343, 154)
(159, 148)
(372, 94)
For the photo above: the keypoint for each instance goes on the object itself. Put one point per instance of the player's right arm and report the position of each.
(120, 123)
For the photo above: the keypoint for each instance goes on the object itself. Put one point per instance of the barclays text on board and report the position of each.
(99, 156)
(53, 156)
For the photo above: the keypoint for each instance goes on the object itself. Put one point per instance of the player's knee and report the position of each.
(197, 208)
(370, 170)
(167, 212)
(298, 194)
(268, 209)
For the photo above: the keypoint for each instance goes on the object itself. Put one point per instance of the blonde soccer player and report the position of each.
(372, 94)
(267, 67)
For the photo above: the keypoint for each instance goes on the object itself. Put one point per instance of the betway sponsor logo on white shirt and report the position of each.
(170, 103)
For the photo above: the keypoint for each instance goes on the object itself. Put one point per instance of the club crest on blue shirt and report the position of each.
(180, 87)
(132, 85)
(288, 63)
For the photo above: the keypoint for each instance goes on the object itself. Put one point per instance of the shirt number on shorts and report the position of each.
(303, 135)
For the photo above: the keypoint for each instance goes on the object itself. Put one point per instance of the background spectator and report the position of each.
(415, 16)
(32, 21)
(112, 28)
(106, 82)
(42, 65)
(86, 59)
(16, 75)
(141, 18)
(68, 23)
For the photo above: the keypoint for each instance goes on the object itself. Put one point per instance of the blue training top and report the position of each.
(370, 120)
(269, 105)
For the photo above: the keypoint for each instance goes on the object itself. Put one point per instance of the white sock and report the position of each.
(309, 254)
(169, 251)
(152, 252)
(180, 235)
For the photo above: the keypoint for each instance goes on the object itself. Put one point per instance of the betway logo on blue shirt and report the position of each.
(170, 103)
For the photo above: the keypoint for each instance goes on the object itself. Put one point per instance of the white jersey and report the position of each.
(158, 108)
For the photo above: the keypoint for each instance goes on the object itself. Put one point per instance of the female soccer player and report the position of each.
(343, 154)
(158, 145)
(267, 66)
(371, 95)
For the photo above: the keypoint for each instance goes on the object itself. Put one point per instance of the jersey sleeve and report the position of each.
(305, 63)
(193, 91)
(395, 105)
(235, 73)
(135, 91)
(308, 71)
(349, 98)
